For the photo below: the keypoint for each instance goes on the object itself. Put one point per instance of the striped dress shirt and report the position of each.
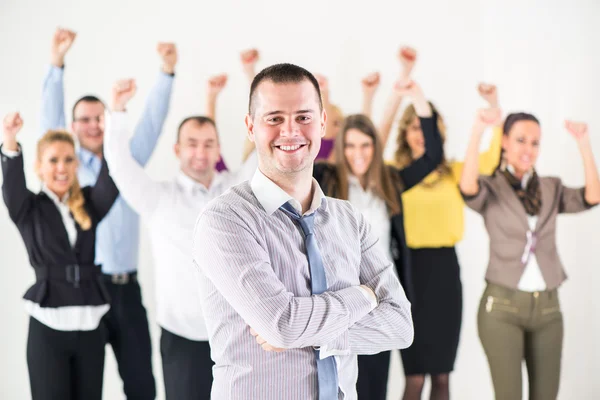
(254, 273)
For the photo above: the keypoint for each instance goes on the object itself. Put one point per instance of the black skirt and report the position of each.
(437, 311)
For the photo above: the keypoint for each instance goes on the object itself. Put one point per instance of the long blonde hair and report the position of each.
(378, 175)
(76, 200)
(403, 156)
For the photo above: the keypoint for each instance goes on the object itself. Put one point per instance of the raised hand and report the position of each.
(11, 125)
(61, 43)
(323, 87)
(408, 57)
(408, 87)
(122, 91)
(489, 93)
(168, 55)
(249, 59)
(215, 84)
(487, 117)
(370, 83)
(263, 343)
(579, 130)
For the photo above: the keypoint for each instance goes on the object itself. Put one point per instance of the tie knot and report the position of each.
(307, 222)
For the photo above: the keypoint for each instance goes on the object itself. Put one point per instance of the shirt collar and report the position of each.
(190, 185)
(271, 197)
(85, 156)
(525, 178)
(54, 197)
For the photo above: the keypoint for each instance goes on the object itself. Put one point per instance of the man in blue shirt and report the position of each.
(118, 234)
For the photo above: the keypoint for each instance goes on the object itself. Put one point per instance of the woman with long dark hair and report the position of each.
(519, 315)
(361, 176)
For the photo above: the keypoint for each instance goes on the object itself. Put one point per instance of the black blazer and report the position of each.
(66, 276)
(402, 179)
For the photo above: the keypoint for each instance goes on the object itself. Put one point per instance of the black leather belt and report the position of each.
(121, 279)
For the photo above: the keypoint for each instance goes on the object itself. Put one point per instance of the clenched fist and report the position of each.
(122, 91)
(168, 54)
(215, 84)
(489, 93)
(408, 57)
(61, 43)
(370, 83)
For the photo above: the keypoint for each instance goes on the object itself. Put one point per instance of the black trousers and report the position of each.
(66, 365)
(127, 332)
(187, 367)
(373, 374)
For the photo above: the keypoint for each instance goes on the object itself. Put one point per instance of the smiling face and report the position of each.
(88, 125)
(415, 139)
(358, 151)
(198, 150)
(521, 146)
(57, 166)
(287, 126)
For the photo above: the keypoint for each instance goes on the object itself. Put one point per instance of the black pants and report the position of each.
(373, 376)
(66, 365)
(187, 367)
(127, 332)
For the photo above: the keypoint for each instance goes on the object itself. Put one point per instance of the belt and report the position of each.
(121, 279)
(73, 273)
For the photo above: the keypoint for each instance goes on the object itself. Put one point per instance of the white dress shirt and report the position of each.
(375, 211)
(169, 211)
(255, 273)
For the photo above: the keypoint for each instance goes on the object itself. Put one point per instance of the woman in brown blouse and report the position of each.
(519, 314)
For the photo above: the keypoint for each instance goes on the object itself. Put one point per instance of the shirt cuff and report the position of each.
(369, 296)
(10, 153)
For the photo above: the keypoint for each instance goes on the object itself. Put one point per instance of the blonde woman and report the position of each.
(65, 345)
(434, 224)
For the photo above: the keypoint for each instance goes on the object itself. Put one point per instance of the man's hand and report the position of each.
(122, 91)
(61, 43)
(263, 343)
(168, 54)
(215, 85)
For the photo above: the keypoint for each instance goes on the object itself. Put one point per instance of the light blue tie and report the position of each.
(326, 368)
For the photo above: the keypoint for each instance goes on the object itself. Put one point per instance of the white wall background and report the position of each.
(544, 56)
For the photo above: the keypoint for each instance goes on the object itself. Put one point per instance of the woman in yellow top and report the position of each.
(434, 223)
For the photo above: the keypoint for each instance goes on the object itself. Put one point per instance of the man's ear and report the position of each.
(250, 127)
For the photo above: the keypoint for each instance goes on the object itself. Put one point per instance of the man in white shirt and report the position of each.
(293, 283)
(169, 210)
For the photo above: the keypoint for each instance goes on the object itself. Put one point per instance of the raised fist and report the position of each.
(61, 43)
(370, 83)
(11, 125)
(122, 91)
(408, 87)
(215, 84)
(579, 130)
(487, 117)
(168, 54)
(249, 56)
(489, 93)
(408, 57)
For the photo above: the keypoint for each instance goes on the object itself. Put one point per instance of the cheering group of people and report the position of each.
(296, 275)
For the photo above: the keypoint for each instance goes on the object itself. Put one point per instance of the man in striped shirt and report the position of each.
(264, 316)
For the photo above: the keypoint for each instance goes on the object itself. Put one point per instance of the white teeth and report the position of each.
(290, 148)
